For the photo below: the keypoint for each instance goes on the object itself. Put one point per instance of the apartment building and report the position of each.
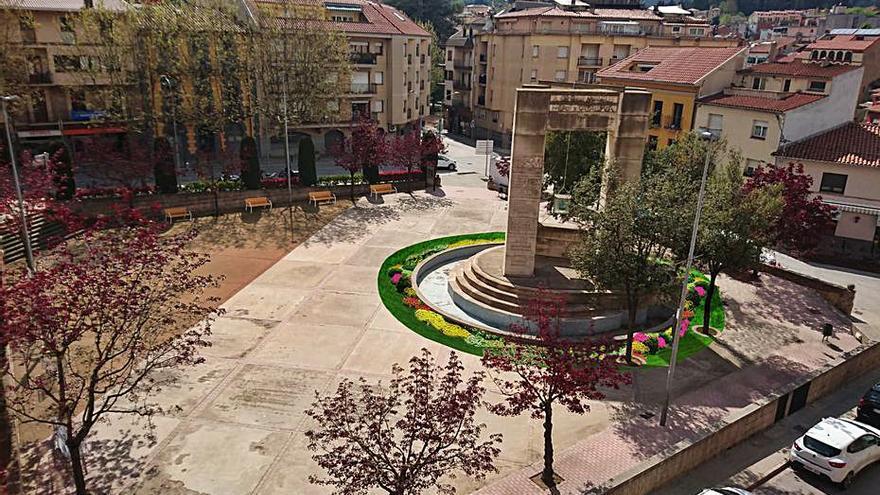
(61, 102)
(771, 104)
(677, 78)
(844, 163)
(558, 43)
(859, 47)
(390, 75)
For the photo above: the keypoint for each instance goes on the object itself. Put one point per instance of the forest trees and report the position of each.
(91, 329)
(404, 436)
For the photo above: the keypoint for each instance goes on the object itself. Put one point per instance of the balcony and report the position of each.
(362, 58)
(40, 78)
(481, 100)
(463, 65)
(672, 122)
(362, 88)
(482, 79)
(482, 58)
(590, 61)
(461, 86)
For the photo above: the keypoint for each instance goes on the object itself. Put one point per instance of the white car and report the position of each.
(444, 161)
(725, 491)
(837, 448)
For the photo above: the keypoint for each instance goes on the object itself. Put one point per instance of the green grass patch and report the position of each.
(392, 299)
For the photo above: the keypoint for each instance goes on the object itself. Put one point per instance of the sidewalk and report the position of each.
(760, 456)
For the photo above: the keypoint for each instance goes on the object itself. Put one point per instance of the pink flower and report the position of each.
(684, 327)
(661, 342)
(396, 278)
(640, 337)
(700, 291)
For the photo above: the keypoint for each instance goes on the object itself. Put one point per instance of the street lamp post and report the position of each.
(28, 249)
(287, 146)
(169, 83)
(676, 332)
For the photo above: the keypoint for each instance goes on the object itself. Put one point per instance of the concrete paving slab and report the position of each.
(268, 396)
(295, 274)
(308, 345)
(371, 256)
(395, 238)
(216, 458)
(264, 303)
(348, 278)
(182, 390)
(384, 320)
(290, 474)
(378, 349)
(336, 308)
(235, 337)
(322, 252)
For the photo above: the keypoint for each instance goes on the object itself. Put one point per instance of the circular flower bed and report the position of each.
(398, 295)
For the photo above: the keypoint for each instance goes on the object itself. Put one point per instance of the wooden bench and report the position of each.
(261, 201)
(179, 212)
(378, 189)
(321, 197)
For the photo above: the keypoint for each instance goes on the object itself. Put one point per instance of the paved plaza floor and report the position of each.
(235, 424)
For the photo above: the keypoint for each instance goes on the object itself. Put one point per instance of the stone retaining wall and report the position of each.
(202, 204)
(555, 241)
(739, 426)
(837, 295)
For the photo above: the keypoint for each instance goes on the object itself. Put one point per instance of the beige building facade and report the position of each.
(553, 44)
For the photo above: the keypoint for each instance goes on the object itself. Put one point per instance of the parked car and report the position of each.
(837, 449)
(869, 407)
(725, 491)
(444, 161)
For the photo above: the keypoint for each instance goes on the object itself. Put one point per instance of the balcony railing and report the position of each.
(482, 58)
(481, 100)
(40, 78)
(671, 122)
(590, 61)
(362, 58)
(482, 79)
(463, 65)
(461, 86)
(363, 88)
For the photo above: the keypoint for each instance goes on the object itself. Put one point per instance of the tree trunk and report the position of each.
(547, 473)
(76, 468)
(351, 187)
(631, 324)
(707, 306)
(216, 201)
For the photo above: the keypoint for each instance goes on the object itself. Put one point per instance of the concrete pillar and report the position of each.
(625, 144)
(526, 176)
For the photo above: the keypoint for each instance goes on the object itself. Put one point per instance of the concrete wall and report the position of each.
(837, 295)
(863, 183)
(555, 242)
(684, 456)
(835, 109)
(856, 226)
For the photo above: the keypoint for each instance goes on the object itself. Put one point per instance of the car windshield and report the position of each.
(820, 447)
(873, 396)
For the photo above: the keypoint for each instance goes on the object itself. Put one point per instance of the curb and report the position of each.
(770, 475)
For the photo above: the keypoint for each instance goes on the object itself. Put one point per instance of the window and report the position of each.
(652, 143)
(561, 75)
(670, 142)
(833, 183)
(534, 75)
(751, 166)
(378, 77)
(786, 86)
(378, 106)
(448, 94)
(676, 29)
(677, 114)
(759, 129)
(716, 122)
(68, 33)
(657, 114)
(696, 31)
(562, 52)
(758, 83)
(376, 48)
(536, 50)
(862, 443)
(448, 55)
(817, 86)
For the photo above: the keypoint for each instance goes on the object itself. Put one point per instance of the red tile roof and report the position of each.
(800, 69)
(380, 18)
(760, 48)
(849, 144)
(555, 11)
(770, 105)
(676, 65)
(843, 42)
(60, 5)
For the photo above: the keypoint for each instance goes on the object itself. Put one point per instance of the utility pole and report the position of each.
(287, 146)
(25, 234)
(708, 137)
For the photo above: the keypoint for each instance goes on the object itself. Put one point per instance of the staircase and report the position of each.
(42, 232)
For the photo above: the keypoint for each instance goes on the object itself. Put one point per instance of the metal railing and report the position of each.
(590, 61)
(363, 88)
(362, 58)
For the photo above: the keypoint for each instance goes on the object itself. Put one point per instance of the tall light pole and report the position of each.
(676, 332)
(168, 82)
(25, 234)
(287, 146)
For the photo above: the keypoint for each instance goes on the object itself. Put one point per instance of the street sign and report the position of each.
(484, 147)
